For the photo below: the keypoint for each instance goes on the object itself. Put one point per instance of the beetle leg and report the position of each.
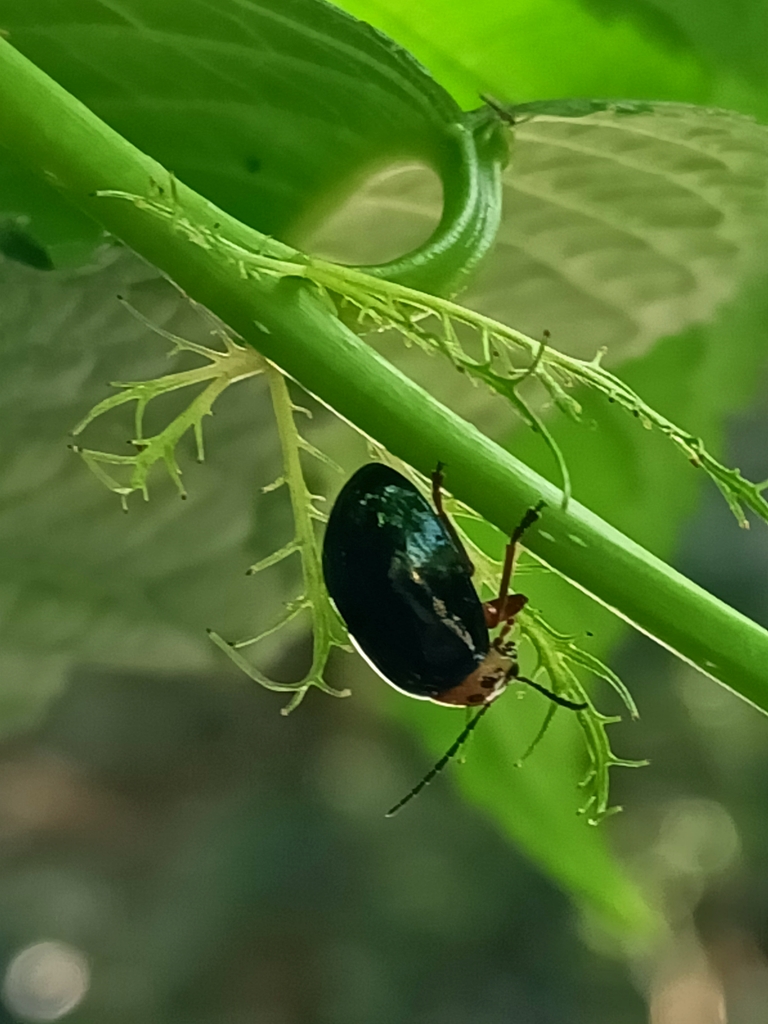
(506, 606)
(442, 515)
(554, 697)
(513, 604)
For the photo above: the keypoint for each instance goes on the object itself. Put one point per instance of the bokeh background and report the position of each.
(172, 849)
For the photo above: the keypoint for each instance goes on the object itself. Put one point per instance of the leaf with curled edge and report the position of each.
(623, 222)
(265, 108)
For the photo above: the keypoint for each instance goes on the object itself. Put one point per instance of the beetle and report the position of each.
(402, 582)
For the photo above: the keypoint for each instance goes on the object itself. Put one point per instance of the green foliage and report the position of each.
(272, 112)
(724, 39)
(536, 49)
(270, 106)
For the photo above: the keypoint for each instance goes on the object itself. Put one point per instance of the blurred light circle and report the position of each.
(45, 981)
(698, 837)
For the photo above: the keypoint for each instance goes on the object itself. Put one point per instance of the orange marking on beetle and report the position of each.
(488, 681)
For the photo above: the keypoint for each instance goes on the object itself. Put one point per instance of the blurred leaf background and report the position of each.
(217, 862)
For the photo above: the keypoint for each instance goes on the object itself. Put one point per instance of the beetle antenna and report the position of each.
(555, 697)
(450, 753)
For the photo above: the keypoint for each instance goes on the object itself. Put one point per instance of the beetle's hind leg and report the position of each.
(506, 606)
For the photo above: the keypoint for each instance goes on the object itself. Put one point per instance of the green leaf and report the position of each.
(621, 228)
(264, 108)
(536, 804)
(81, 581)
(728, 38)
(617, 228)
(537, 48)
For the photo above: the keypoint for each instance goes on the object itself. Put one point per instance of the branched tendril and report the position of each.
(225, 367)
(327, 629)
(432, 323)
(558, 655)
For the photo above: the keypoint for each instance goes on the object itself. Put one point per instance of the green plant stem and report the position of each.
(288, 321)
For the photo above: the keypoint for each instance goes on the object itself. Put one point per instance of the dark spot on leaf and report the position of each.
(252, 164)
(18, 245)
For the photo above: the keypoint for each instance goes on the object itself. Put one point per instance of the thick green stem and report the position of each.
(290, 324)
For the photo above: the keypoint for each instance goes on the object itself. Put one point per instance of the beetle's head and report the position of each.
(486, 683)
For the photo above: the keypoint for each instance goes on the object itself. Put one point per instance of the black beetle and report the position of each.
(401, 580)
